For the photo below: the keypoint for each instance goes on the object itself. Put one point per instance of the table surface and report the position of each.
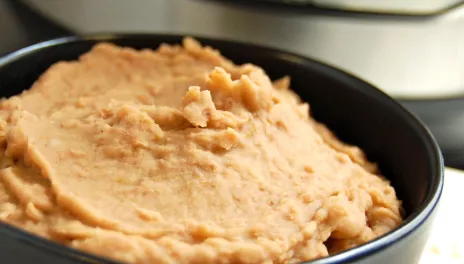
(446, 242)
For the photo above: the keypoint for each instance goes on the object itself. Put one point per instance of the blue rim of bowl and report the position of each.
(411, 223)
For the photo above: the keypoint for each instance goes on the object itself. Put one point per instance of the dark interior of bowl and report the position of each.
(357, 112)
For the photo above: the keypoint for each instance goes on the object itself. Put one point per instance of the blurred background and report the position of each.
(411, 49)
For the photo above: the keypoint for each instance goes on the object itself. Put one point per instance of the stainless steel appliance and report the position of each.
(406, 57)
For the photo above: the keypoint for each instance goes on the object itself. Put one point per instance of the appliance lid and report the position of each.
(395, 7)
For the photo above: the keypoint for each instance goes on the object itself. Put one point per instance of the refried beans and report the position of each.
(178, 155)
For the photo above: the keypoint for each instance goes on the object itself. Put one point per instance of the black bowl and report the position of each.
(358, 113)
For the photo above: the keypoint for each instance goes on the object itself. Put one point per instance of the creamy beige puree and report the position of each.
(180, 156)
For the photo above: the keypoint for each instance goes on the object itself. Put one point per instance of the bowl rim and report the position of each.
(410, 224)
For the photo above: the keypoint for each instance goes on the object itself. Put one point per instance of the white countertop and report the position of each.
(446, 242)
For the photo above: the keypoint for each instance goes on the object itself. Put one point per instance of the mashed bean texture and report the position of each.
(177, 155)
